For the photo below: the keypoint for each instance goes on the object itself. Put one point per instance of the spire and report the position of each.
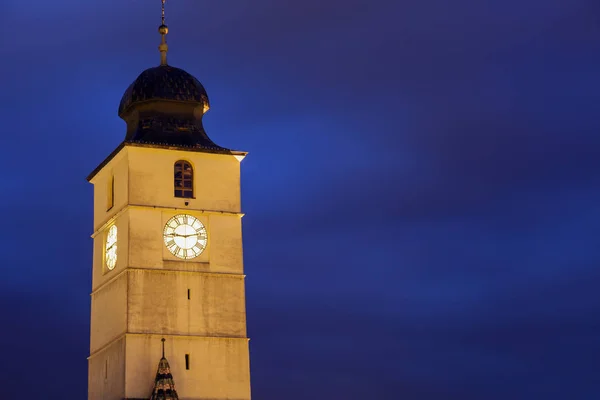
(164, 386)
(163, 30)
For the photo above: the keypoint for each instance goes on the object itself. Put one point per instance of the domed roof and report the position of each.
(164, 83)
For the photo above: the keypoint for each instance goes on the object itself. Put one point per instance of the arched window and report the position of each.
(184, 179)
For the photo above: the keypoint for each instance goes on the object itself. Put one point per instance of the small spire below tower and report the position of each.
(163, 30)
(164, 386)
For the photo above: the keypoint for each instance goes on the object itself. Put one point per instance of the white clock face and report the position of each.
(110, 251)
(185, 236)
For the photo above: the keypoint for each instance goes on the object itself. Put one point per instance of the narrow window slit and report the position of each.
(188, 294)
(110, 193)
(187, 361)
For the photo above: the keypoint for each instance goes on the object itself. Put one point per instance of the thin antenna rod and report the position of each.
(163, 30)
(163, 345)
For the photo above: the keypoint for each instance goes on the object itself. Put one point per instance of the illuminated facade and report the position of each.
(167, 260)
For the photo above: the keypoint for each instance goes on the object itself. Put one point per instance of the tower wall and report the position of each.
(117, 168)
(216, 179)
(106, 372)
(109, 313)
(218, 367)
(186, 303)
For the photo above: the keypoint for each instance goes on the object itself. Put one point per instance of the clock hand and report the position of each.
(181, 236)
(174, 233)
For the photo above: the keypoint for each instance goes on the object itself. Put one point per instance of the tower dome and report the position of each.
(164, 106)
(164, 83)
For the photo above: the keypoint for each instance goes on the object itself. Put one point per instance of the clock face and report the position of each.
(110, 254)
(185, 236)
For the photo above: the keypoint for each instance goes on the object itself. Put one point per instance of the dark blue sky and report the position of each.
(422, 193)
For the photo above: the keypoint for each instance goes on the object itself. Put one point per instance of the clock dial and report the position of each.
(110, 253)
(185, 236)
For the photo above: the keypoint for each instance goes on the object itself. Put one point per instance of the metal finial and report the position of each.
(163, 340)
(163, 30)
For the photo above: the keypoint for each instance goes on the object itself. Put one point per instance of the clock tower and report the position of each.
(168, 279)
